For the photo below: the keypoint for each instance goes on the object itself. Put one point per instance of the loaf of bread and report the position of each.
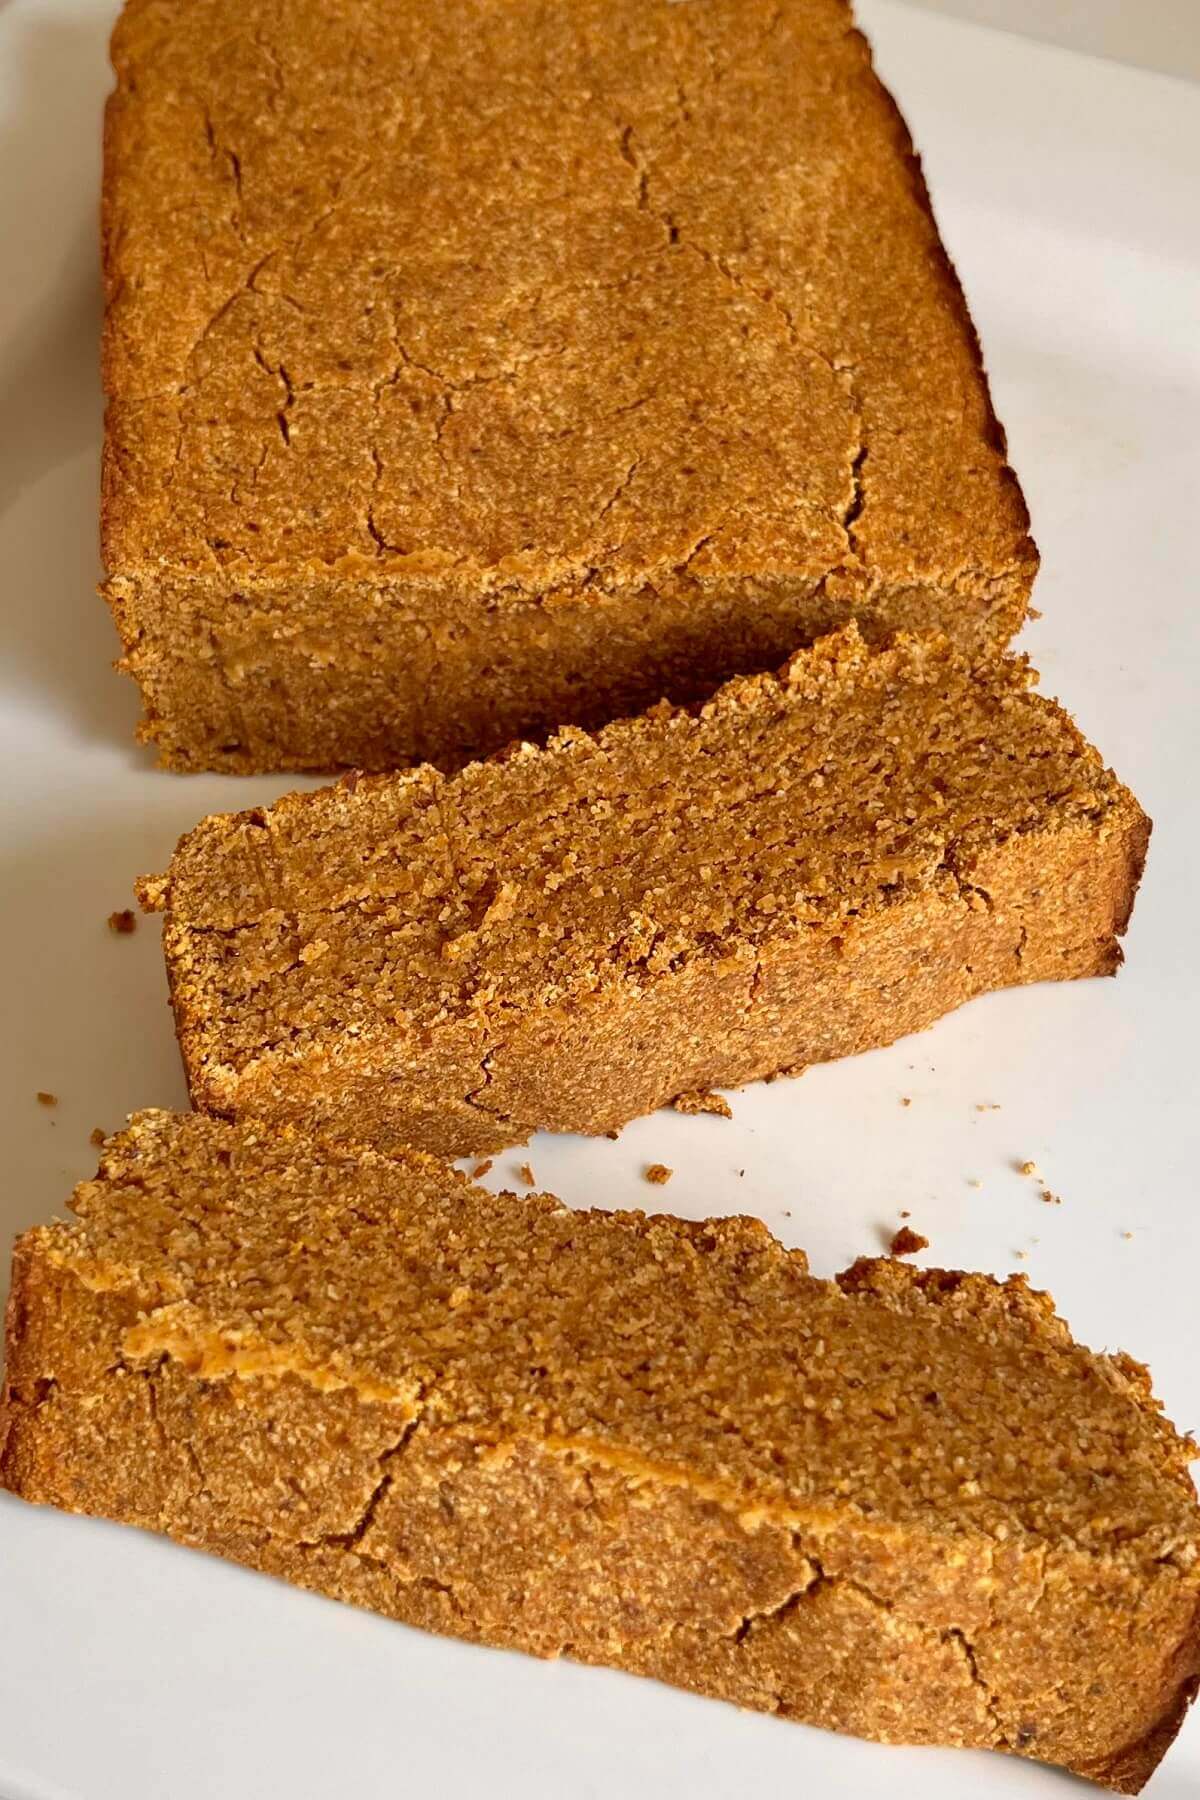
(487, 366)
(810, 865)
(900, 1504)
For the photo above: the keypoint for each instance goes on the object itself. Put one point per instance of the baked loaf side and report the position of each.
(901, 1504)
(478, 368)
(810, 865)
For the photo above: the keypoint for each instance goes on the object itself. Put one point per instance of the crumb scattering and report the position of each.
(45, 1099)
(481, 1169)
(907, 1242)
(700, 1100)
(98, 1137)
(123, 922)
(658, 1173)
(1051, 1199)
(527, 1175)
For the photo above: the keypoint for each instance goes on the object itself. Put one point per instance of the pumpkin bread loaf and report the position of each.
(482, 367)
(809, 865)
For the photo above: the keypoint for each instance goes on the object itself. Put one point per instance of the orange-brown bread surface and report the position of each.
(480, 367)
(810, 865)
(901, 1504)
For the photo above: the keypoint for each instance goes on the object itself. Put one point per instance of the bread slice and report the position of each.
(901, 1504)
(810, 865)
(482, 367)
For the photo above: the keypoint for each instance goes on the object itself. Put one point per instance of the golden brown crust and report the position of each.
(482, 1414)
(398, 475)
(807, 866)
(1128, 1771)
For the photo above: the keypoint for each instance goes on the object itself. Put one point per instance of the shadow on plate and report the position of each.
(56, 640)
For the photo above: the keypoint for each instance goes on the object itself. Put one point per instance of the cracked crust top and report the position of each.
(505, 297)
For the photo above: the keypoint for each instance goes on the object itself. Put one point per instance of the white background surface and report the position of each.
(1155, 34)
(130, 1670)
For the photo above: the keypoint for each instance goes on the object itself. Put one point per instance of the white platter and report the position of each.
(130, 1670)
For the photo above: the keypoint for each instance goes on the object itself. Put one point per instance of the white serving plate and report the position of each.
(130, 1670)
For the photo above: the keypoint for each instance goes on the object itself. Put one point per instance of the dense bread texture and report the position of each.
(900, 1504)
(480, 367)
(809, 865)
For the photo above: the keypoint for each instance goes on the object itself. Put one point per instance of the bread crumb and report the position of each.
(1051, 1199)
(44, 1099)
(905, 1214)
(699, 1100)
(905, 1100)
(1021, 1254)
(657, 1173)
(1127, 1234)
(98, 1138)
(123, 922)
(1029, 1168)
(481, 1169)
(974, 1182)
(527, 1175)
(907, 1242)
(987, 1106)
